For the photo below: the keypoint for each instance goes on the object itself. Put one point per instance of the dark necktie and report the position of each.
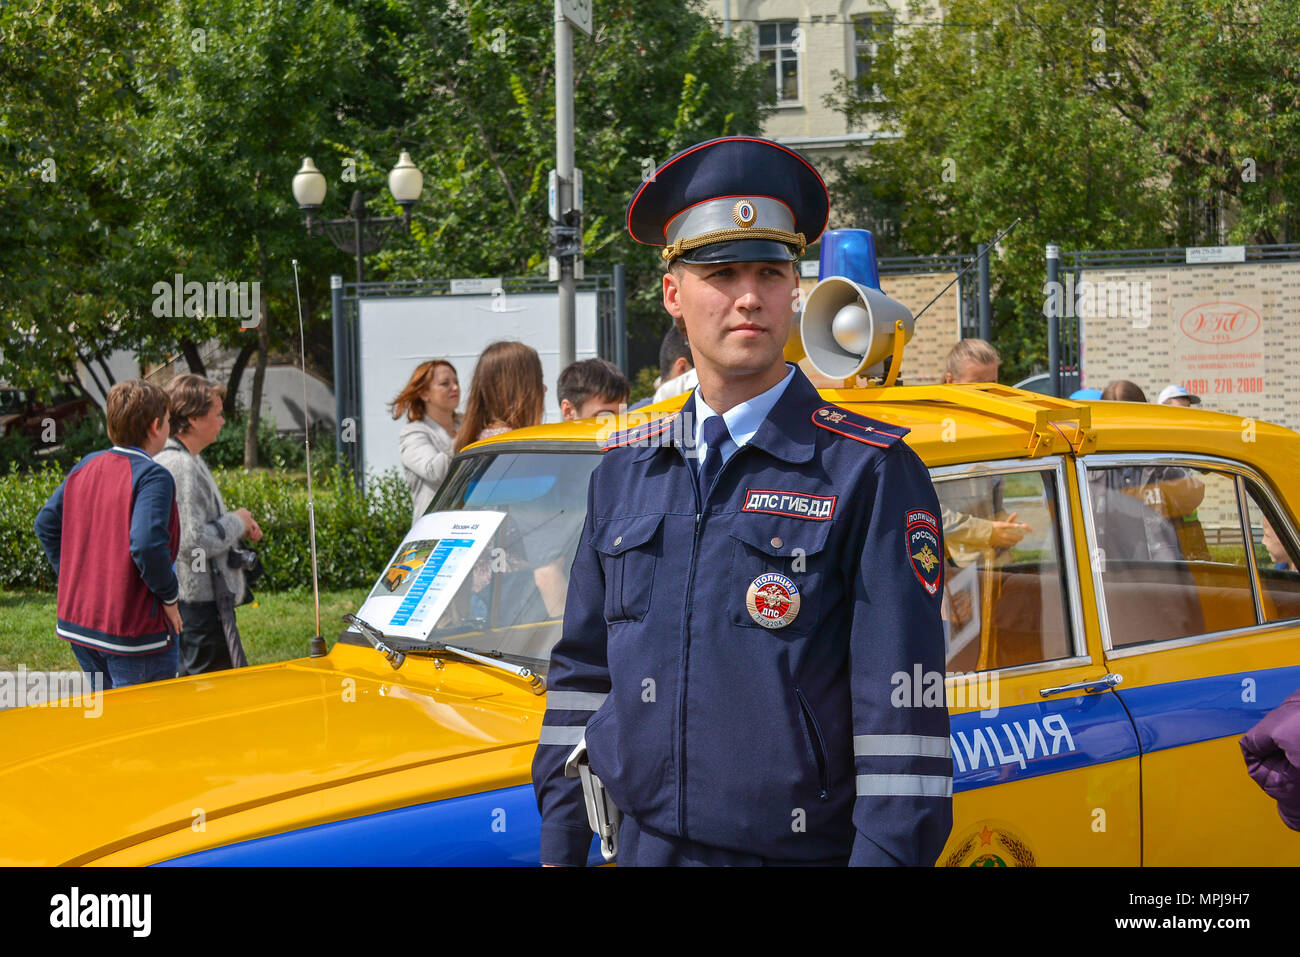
(715, 433)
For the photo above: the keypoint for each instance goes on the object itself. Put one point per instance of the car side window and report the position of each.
(1170, 551)
(1277, 560)
(1004, 586)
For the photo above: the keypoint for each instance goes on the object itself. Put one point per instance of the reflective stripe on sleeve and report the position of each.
(575, 700)
(552, 734)
(913, 785)
(917, 745)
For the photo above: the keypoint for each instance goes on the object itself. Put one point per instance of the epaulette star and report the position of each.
(859, 427)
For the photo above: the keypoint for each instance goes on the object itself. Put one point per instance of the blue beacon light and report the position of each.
(850, 253)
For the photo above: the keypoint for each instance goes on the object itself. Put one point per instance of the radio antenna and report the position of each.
(967, 267)
(317, 642)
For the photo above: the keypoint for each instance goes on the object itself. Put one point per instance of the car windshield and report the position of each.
(512, 601)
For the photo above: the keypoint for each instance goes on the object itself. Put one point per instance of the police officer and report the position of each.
(754, 603)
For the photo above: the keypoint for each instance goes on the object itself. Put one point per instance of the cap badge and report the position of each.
(773, 600)
(744, 213)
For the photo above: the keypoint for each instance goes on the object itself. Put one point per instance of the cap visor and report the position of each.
(741, 251)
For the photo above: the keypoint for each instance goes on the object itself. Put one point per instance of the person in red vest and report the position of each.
(111, 532)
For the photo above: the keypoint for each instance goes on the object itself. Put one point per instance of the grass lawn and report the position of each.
(277, 628)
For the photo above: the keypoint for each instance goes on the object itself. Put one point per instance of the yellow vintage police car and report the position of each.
(1100, 669)
(1121, 603)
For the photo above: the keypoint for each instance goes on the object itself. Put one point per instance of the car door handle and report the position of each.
(1104, 683)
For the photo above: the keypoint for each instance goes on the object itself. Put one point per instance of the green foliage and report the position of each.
(22, 560)
(86, 435)
(355, 533)
(273, 449)
(237, 92)
(68, 149)
(277, 627)
(17, 451)
(175, 127)
(655, 78)
(643, 384)
(1103, 126)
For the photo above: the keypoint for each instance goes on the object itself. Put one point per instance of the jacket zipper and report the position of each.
(818, 745)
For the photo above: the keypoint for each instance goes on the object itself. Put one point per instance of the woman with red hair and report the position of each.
(429, 403)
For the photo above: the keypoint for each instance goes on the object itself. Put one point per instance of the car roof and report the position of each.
(972, 422)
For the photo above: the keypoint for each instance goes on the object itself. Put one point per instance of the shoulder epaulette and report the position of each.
(859, 427)
(640, 434)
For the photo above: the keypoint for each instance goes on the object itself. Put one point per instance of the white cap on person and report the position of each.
(1177, 392)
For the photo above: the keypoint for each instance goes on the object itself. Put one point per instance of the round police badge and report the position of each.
(744, 213)
(773, 600)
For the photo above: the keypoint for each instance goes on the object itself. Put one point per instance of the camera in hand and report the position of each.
(250, 563)
(247, 561)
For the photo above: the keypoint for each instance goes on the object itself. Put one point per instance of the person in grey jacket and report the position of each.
(210, 586)
(429, 403)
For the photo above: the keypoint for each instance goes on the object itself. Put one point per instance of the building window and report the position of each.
(870, 30)
(779, 45)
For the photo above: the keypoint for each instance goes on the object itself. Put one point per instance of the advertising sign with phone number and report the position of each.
(1217, 345)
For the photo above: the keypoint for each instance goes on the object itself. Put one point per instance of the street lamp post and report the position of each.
(356, 234)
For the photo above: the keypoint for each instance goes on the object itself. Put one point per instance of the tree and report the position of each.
(654, 78)
(246, 88)
(177, 126)
(67, 108)
(1102, 125)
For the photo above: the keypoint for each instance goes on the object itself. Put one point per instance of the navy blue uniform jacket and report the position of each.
(788, 743)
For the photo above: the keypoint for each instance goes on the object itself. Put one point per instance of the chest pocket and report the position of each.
(629, 550)
(791, 547)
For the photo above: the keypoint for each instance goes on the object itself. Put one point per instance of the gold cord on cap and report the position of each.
(726, 235)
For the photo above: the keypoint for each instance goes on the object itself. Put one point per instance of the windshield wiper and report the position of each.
(395, 658)
(535, 681)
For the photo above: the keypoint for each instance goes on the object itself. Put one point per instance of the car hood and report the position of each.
(156, 771)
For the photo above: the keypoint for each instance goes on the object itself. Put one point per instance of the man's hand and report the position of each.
(1008, 533)
(173, 618)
